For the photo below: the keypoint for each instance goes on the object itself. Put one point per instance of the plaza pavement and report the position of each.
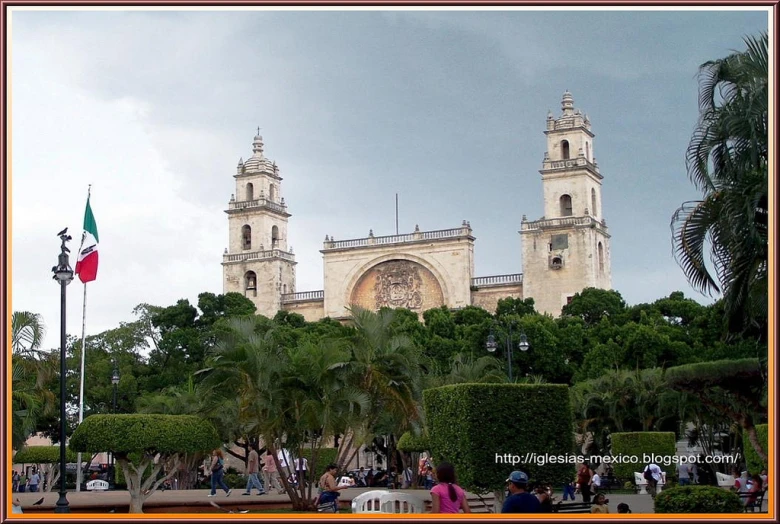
(197, 501)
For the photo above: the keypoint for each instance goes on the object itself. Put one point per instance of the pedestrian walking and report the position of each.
(301, 468)
(35, 479)
(683, 474)
(447, 496)
(252, 469)
(218, 473)
(15, 481)
(584, 482)
(652, 475)
(271, 475)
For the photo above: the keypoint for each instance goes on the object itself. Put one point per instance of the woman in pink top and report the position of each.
(447, 496)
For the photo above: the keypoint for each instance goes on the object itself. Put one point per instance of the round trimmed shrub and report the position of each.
(697, 499)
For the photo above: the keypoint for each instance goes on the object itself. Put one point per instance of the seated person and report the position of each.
(600, 504)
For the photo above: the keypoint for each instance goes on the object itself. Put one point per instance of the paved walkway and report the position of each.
(197, 501)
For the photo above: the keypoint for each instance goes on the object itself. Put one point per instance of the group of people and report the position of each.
(750, 484)
(297, 469)
(21, 483)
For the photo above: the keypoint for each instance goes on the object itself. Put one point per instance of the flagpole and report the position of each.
(83, 354)
(81, 385)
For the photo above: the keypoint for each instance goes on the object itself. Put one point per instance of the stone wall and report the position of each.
(487, 297)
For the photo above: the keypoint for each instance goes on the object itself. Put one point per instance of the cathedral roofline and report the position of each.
(441, 235)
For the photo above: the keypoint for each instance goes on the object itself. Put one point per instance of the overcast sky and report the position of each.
(445, 108)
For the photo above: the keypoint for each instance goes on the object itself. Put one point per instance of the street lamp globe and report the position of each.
(491, 344)
(115, 376)
(523, 345)
(63, 273)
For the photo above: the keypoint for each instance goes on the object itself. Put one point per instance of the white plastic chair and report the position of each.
(725, 481)
(394, 502)
(641, 482)
(369, 502)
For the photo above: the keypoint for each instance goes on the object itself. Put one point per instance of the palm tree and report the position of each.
(727, 160)
(386, 366)
(27, 332)
(31, 396)
(32, 369)
(295, 397)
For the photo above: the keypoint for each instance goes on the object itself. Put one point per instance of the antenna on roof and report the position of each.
(396, 213)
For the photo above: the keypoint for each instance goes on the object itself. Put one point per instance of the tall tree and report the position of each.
(27, 331)
(727, 160)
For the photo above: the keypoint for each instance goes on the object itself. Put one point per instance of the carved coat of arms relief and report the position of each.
(398, 284)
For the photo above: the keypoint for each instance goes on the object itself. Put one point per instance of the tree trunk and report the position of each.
(499, 501)
(748, 426)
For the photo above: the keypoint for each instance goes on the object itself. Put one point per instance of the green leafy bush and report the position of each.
(755, 463)
(324, 457)
(411, 443)
(639, 445)
(235, 480)
(697, 499)
(474, 427)
(150, 434)
(42, 455)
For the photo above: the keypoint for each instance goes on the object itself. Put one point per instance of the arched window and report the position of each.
(587, 151)
(250, 191)
(250, 280)
(272, 193)
(565, 149)
(246, 237)
(601, 258)
(594, 209)
(274, 236)
(566, 206)
(250, 284)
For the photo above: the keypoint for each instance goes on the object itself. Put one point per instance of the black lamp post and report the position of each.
(63, 274)
(491, 346)
(114, 382)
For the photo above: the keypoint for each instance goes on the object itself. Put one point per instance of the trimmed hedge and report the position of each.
(641, 444)
(410, 443)
(151, 434)
(475, 427)
(697, 499)
(755, 463)
(42, 455)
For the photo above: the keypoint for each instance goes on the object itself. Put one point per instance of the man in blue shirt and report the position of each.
(519, 500)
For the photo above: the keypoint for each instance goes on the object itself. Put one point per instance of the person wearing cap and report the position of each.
(519, 500)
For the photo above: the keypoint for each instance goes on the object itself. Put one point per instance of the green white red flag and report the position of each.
(87, 264)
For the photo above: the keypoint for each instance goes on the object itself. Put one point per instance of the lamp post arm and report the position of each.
(509, 352)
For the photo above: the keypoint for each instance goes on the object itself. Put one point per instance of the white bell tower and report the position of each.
(257, 262)
(567, 249)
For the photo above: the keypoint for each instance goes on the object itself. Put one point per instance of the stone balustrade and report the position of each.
(462, 231)
(562, 222)
(303, 296)
(258, 255)
(497, 280)
(260, 202)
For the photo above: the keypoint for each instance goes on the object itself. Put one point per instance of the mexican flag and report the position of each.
(87, 265)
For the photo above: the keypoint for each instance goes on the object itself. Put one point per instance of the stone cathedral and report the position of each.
(564, 251)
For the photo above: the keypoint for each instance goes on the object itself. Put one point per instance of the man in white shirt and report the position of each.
(301, 465)
(596, 481)
(655, 478)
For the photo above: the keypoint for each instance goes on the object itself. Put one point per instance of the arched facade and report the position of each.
(397, 283)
